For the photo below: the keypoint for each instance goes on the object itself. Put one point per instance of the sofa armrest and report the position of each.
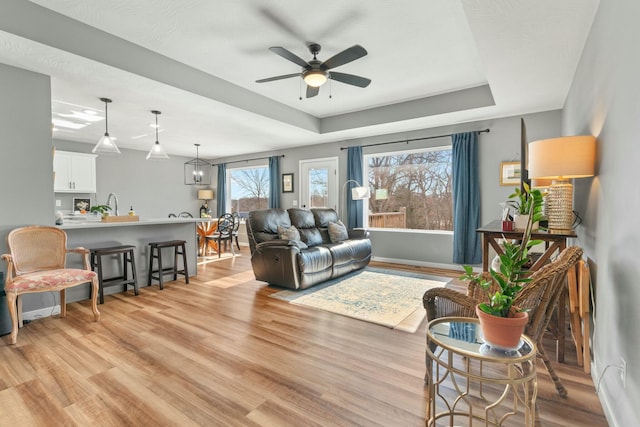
(282, 243)
(360, 233)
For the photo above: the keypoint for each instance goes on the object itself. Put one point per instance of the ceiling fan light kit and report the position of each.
(316, 73)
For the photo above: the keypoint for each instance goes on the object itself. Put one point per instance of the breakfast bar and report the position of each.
(96, 234)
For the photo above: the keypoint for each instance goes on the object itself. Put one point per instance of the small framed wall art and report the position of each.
(81, 205)
(510, 173)
(287, 183)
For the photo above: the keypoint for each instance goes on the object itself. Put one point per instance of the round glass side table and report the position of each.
(471, 382)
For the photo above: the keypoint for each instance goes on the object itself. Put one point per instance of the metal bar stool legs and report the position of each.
(155, 252)
(128, 261)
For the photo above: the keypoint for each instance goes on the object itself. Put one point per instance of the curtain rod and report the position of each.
(415, 139)
(247, 160)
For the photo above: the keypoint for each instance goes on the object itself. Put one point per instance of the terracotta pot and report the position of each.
(502, 332)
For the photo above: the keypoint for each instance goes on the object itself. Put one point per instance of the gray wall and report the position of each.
(604, 101)
(26, 166)
(501, 144)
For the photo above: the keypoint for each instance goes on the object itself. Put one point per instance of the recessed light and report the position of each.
(82, 116)
(67, 124)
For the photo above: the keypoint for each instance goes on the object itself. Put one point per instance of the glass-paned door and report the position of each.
(319, 183)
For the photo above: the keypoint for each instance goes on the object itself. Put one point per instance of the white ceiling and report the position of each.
(432, 63)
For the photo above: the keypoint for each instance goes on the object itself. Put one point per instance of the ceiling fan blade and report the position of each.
(284, 76)
(285, 26)
(344, 57)
(312, 91)
(289, 55)
(350, 79)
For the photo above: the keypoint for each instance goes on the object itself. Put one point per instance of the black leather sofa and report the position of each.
(299, 264)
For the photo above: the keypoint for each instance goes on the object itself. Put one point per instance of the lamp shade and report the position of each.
(360, 193)
(205, 194)
(565, 157)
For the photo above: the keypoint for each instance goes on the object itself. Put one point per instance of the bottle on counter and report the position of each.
(132, 212)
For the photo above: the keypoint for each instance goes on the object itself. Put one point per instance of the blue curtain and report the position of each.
(221, 196)
(355, 208)
(466, 198)
(274, 182)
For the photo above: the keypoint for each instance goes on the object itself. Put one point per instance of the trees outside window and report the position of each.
(411, 189)
(248, 189)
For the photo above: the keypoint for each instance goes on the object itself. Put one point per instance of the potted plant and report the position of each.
(505, 285)
(101, 210)
(523, 203)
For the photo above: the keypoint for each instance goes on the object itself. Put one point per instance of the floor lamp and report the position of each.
(561, 159)
(357, 193)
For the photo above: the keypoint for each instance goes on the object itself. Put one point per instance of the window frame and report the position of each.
(228, 195)
(365, 171)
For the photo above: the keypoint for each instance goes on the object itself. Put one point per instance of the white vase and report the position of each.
(520, 222)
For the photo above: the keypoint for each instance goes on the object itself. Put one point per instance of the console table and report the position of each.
(475, 383)
(553, 241)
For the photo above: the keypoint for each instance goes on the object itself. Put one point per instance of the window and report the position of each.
(248, 189)
(410, 189)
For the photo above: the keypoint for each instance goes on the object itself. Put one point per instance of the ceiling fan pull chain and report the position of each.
(300, 87)
(330, 87)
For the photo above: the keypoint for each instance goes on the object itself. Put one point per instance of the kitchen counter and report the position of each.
(95, 234)
(74, 224)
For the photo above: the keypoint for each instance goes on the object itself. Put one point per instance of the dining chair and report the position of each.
(37, 263)
(236, 227)
(224, 232)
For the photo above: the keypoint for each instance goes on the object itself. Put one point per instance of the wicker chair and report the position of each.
(539, 297)
(37, 264)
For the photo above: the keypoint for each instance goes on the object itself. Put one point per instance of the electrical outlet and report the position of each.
(295, 203)
(623, 372)
(58, 203)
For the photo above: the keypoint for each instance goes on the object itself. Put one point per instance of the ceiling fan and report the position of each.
(315, 73)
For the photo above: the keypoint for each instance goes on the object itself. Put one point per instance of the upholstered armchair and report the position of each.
(36, 263)
(539, 297)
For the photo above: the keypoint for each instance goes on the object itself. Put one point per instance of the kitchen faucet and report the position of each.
(117, 212)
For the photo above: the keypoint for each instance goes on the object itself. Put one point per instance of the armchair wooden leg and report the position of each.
(94, 298)
(63, 303)
(13, 312)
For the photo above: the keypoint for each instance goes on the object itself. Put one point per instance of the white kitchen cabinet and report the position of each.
(74, 172)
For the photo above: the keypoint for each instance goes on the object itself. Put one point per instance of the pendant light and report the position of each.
(157, 152)
(106, 145)
(197, 171)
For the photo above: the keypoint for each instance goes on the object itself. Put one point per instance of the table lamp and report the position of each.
(561, 159)
(205, 195)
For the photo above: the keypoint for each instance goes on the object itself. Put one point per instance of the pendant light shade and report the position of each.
(106, 145)
(157, 152)
(197, 171)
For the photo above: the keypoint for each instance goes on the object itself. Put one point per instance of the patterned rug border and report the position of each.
(409, 324)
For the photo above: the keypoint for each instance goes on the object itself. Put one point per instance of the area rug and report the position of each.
(385, 297)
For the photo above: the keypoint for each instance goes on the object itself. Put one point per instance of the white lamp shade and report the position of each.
(205, 194)
(359, 193)
(565, 157)
(106, 146)
(157, 152)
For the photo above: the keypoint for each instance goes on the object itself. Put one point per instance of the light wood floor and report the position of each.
(219, 351)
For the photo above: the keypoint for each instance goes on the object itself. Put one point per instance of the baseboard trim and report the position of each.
(416, 263)
(40, 313)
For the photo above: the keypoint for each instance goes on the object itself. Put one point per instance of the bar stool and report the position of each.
(156, 253)
(128, 257)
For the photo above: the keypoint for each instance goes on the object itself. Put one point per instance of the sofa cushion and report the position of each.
(305, 223)
(337, 232)
(323, 216)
